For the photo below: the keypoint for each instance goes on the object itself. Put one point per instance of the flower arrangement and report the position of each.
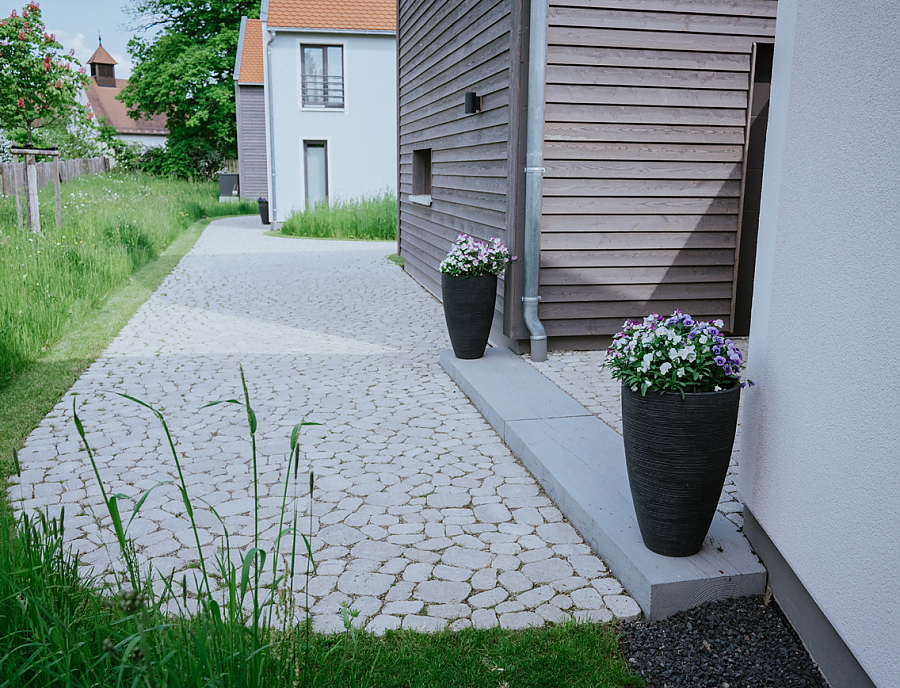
(469, 257)
(674, 354)
(262, 200)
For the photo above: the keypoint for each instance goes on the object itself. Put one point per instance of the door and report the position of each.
(315, 154)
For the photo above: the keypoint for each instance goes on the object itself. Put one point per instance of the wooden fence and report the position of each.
(12, 175)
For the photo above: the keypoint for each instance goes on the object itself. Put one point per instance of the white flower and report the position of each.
(665, 368)
(717, 388)
(680, 372)
(703, 339)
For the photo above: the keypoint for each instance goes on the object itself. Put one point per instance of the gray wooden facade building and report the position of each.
(647, 124)
(250, 106)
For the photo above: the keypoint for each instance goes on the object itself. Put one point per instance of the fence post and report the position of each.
(56, 189)
(34, 212)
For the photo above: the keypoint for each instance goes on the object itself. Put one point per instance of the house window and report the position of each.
(421, 177)
(315, 165)
(322, 76)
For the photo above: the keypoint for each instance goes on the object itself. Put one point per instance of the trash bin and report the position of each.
(229, 186)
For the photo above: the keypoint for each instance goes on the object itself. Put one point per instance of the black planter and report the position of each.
(264, 212)
(469, 311)
(677, 452)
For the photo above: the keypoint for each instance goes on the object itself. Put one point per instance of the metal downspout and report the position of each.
(271, 141)
(534, 160)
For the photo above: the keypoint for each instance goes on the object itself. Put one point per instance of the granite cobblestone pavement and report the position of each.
(419, 518)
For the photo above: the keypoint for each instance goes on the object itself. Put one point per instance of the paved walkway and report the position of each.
(421, 517)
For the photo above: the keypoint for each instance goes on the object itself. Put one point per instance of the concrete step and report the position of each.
(580, 462)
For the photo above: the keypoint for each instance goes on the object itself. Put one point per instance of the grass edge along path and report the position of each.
(27, 399)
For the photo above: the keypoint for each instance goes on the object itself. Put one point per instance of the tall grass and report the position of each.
(112, 225)
(239, 628)
(371, 217)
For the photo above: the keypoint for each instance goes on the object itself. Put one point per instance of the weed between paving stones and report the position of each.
(233, 625)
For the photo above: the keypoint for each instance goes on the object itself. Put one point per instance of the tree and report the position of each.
(185, 73)
(37, 87)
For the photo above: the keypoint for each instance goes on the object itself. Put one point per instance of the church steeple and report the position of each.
(103, 66)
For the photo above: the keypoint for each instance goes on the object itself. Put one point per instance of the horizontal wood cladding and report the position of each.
(445, 50)
(252, 148)
(746, 8)
(644, 133)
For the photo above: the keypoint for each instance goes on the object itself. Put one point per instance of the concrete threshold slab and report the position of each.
(580, 462)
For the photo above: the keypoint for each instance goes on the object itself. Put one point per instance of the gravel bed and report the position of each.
(740, 643)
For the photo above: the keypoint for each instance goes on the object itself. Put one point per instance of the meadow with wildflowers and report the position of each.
(112, 225)
(469, 257)
(674, 354)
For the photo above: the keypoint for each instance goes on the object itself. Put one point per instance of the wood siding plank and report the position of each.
(602, 240)
(570, 131)
(654, 40)
(627, 95)
(599, 17)
(647, 257)
(647, 169)
(662, 78)
(746, 8)
(640, 187)
(651, 59)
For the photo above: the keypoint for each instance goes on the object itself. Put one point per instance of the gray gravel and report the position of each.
(740, 643)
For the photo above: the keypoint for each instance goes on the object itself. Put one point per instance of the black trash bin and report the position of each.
(229, 185)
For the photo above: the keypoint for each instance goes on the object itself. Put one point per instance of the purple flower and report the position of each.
(720, 361)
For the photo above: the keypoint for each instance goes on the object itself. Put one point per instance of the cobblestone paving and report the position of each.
(577, 373)
(420, 517)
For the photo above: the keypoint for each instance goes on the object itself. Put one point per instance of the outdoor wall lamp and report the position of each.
(473, 103)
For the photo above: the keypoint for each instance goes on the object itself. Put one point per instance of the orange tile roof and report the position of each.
(100, 56)
(104, 104)
(252, 54)
(367, 15)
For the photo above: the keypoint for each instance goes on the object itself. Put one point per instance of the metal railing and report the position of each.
(322, 91)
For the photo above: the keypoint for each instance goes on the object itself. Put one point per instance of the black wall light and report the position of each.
(473, 103)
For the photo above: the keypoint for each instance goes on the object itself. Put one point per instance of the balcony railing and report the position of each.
(323, 91)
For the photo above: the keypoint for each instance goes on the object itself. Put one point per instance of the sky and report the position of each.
(76, 24)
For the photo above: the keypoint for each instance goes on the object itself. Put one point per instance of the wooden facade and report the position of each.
(445, 50)
(250, 104)
(645, 130)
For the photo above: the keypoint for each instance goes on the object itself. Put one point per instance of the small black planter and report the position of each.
(469, 311)
(677, 452)
(264, 212)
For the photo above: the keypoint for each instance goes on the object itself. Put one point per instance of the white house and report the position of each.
(820, 454)
(331, 100)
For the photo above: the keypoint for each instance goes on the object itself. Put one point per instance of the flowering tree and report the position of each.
(37, 86)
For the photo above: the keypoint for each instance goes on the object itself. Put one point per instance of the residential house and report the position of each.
(645, 164)
(250, 105)
(819, 472)
(331, 101)
(102, 94)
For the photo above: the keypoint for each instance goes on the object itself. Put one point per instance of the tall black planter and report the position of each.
(677, 452)
(469, 311)
(264, 212)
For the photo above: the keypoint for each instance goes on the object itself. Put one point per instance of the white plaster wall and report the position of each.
(821, 430)
(361, 138)
(148, 140)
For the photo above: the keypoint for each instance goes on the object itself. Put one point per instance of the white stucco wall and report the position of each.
(361, 138)
(821, 431)
(147, 140)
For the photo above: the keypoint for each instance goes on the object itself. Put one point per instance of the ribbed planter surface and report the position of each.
(469, 311)
(264, 213)
(677, 452)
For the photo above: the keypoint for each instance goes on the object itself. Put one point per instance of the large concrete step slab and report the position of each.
(580, 462)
